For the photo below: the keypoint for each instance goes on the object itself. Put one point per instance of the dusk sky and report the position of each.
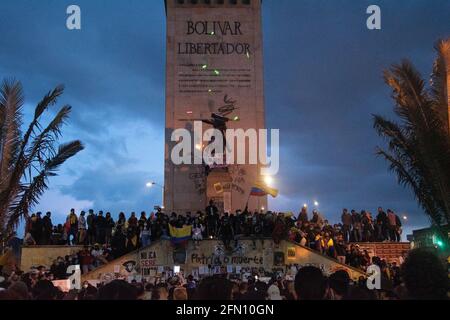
(323, 82)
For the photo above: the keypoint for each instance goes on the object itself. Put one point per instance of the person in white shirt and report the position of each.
(97, 254)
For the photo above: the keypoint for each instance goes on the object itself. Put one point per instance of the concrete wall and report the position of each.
(44, 255)
(152, 261)
(391, 252)
(194, 92)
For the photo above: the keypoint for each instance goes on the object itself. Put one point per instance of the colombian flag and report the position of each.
(180, 235)
(261, 190)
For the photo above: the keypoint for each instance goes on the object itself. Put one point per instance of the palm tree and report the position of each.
(419, 144)
(28, 160)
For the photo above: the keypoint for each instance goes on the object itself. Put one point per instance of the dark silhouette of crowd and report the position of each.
(106, 238)
(421, 277)
(314, 231)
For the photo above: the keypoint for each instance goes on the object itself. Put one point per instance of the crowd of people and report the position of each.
(101, 228)
(114, 238)
(421, 276)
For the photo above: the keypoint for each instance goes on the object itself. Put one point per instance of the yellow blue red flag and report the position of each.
(261, 190)
(180, 235)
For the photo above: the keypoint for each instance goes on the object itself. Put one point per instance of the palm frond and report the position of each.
(419, 150)
(31, 194)
(42, 145)
(49, 99)
(28, 162)
(11, 102)
(440, 83)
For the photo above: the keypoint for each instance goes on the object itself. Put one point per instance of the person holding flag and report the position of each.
(262, 190)
(180, 236)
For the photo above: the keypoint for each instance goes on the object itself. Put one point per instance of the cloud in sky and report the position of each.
(323, 80)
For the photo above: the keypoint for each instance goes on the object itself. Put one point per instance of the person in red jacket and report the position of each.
(86, 260)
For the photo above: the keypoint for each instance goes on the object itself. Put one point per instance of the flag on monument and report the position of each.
(180, 235)
(261, 190)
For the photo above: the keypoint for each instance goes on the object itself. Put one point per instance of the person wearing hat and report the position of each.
(130, 266)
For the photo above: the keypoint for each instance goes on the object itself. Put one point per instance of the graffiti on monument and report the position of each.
(148, 259)
(240, 249)
(228, 107)
(179, 256)
(130, 266)
(220, 256)
(238, 175)
(226, 260)
(199, 180)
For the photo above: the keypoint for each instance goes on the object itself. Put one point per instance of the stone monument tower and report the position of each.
(214, 70)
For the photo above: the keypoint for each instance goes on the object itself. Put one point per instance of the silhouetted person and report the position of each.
(212, 214)
(118, 243)
(91, 221)
(424, 276)
(214, 288)
(100, 227)
(310, 284)
(109, 225)
(47, 227)
(226, 232)
(117, 290)
(381, 225)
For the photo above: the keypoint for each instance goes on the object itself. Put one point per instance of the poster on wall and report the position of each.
(179, 256)
(291, 253)
(278, 258)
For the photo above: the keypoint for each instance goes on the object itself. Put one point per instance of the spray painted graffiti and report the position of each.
(229, 106)
(199, 180)
(238, 175)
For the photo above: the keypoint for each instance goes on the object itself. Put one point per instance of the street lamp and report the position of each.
(268, 180)
(316, 203)
(151, 184)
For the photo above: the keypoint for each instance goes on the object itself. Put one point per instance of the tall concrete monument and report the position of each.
(214, 74)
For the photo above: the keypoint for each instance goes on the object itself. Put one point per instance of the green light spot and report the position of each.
(204, 66)
(236, 118)
(216, 72)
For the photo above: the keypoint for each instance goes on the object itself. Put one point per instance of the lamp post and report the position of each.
(151, 184)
